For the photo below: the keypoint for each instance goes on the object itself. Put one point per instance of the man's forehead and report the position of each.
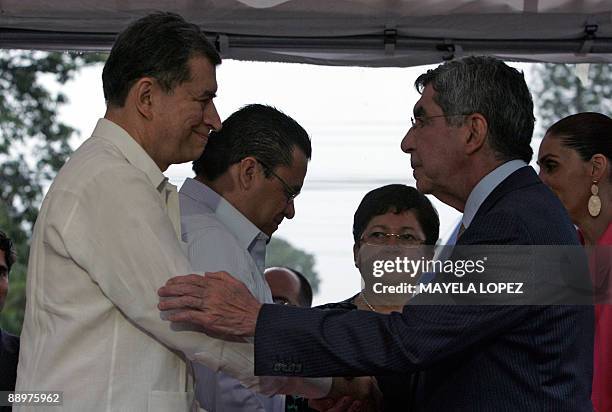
(3, 259)
(203, 73)
(299, 163)
(206, 87)
(426, 104)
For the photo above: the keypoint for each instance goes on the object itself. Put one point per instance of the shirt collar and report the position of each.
(484, 188)
(241, 227)
(133, 152)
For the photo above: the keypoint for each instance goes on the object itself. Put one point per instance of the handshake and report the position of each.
(224, 308)
(359, 394)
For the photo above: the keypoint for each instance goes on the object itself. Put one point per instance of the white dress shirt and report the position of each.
(219, 237)
(102, 246)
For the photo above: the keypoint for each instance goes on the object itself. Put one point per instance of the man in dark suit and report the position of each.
(469, 145)
(9, 344)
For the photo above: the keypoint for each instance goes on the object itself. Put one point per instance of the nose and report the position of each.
(392, 241)
(211, 117)
(290, 210)
(407, 144)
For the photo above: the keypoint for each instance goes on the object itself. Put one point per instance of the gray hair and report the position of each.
(485, 85)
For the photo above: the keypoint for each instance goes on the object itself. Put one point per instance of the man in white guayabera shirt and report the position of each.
(107, 237)
(245, 185)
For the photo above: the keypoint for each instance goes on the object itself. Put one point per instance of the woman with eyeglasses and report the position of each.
(391, 222)
(575, 161)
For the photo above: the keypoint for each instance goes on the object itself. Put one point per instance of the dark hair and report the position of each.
(397, 198)
(488, 86)
(255, 130)
(305, 288)
(157, 45)
(587, 133)
(6, 245)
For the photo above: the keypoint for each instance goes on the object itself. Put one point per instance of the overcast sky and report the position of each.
(356, 118)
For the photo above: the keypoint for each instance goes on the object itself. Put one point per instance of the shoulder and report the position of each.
(206, 227)
(10, 343)
(97, 162)
(525, 214)
(98, 175)
(212, 247)
(91, 191)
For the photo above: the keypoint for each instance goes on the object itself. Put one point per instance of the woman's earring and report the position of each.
(594, 200)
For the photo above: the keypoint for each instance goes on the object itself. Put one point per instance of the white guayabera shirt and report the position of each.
(102, 246)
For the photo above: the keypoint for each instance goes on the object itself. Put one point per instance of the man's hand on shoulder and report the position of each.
(216, 302)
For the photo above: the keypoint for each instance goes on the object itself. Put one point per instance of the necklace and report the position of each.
(367, 303)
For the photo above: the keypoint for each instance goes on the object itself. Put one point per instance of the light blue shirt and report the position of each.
(485, 187)
(476, 198)
(219, 237)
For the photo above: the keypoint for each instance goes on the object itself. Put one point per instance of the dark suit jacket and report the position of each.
(9, 355)
(476, 358)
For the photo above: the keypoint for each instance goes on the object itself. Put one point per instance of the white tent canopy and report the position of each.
(335, 32)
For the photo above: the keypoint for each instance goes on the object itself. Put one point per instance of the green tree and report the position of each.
(559, 92)
(282, 253)
(34, 145)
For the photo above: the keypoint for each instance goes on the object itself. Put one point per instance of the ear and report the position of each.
(478, 128)
(142, 92)
(248, 170)
(599, 169)
(356, 254)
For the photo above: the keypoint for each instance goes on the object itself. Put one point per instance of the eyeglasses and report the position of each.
(381, 238)
(419, 122)
(290, 193)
